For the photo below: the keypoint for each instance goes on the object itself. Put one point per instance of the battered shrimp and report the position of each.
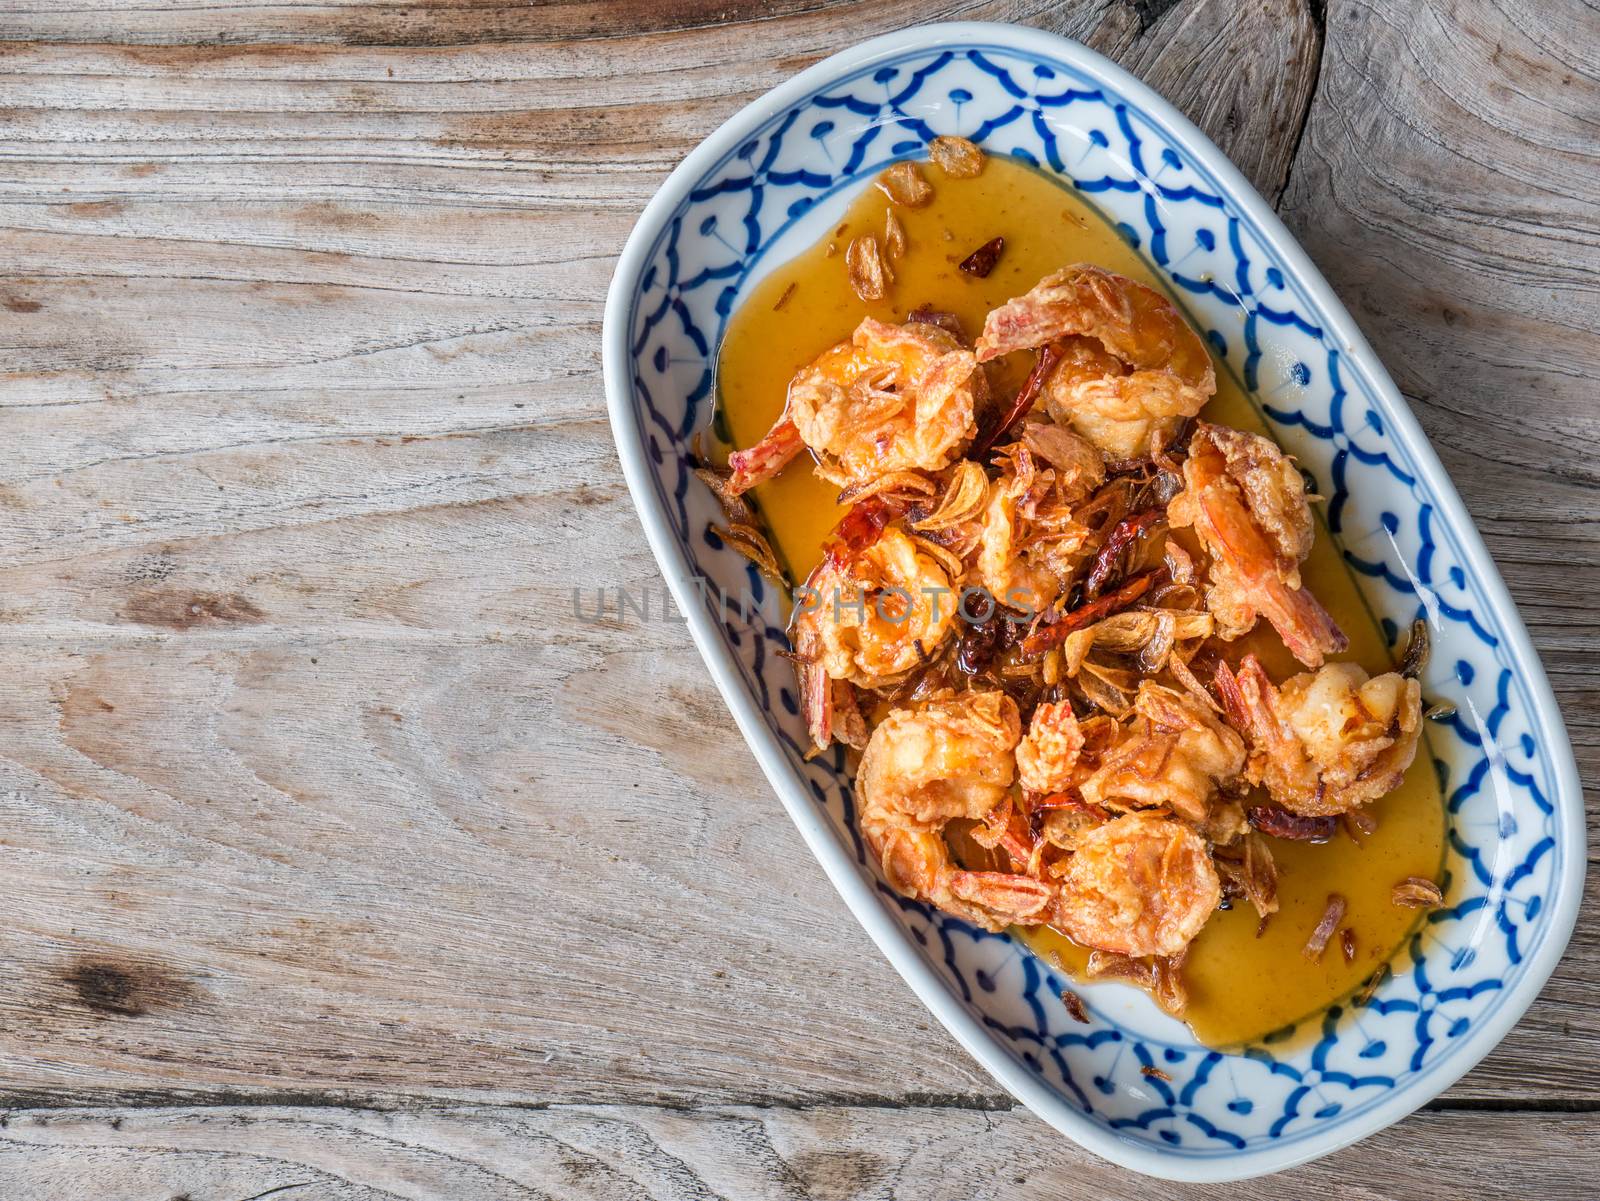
(1126, 416)
(950, 758)
(1138, 885)
(1247, 503)
(890, 398)
(869, 616)
(1047, 756)
(1325, 742)
(1172, 755)
(1054, 757)
(1131, 367)
(1030, 543)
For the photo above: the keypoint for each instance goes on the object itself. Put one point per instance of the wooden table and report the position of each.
(340, 860)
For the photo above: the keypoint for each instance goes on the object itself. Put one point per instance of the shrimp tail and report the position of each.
(1231, 695)
(1307, 629)
(816, 689)
(766, 458)
(1013, 899)
(1249, 697)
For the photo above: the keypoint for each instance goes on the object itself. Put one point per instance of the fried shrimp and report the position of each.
(949, 758)
(889, 398)
(1126, 416)
(871, 615)
(1031, 543)
(1172, 756)
(1138, 885)
(1047, 756)
(1131, 369)
(1247, 503)
(1135, 323)
(1325, 742)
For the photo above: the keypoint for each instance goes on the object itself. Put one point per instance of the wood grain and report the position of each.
(634, 1153)
(313, 786)
(1449, 185)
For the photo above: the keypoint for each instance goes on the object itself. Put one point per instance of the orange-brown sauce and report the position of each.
(1241, 987)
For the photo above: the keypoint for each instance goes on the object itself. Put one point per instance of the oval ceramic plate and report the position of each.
(766, 185)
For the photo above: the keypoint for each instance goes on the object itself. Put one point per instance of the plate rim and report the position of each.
(863, 902)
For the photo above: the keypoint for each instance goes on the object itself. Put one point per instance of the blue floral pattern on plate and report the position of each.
(1504, 770)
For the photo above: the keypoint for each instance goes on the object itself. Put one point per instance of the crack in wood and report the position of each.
(1151, 11)
(1319, 19)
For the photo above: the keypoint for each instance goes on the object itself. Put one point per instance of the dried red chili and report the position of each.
(982, 260)
(1121, 537)
(1053, 635)
(1026, 395)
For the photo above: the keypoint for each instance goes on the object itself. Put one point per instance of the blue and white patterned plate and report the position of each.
(766, 185)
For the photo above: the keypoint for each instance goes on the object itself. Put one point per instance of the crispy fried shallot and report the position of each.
(1373, 983)
(956, 157)
(869, 272)
(1247, 871)
(1332, 915)
(1075, 1007)
(750, 542)
(894, 236)
(903, 184)
(1160, 976)
(1416, 656)
(963, 499)
(1415, 892)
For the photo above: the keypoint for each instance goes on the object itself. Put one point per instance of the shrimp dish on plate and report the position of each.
(1062, 612)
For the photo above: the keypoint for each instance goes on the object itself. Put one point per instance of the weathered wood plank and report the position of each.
(1243, 72)
(614, 1152)
(303, 370)
(384, 23)
(823, 24)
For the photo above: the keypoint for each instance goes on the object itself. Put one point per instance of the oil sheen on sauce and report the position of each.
(1241, 987)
